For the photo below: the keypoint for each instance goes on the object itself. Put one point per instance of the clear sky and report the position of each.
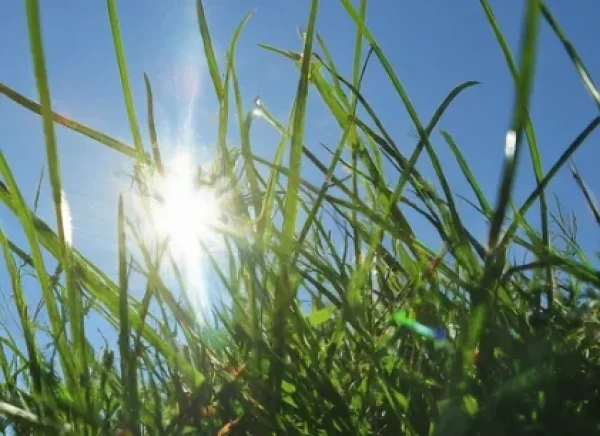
(433, 45)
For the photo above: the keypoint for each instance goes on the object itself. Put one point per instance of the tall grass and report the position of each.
(521, 353)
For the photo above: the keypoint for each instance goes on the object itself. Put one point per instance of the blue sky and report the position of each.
(433, 46)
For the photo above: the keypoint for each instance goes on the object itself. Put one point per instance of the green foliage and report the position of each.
(521, 354)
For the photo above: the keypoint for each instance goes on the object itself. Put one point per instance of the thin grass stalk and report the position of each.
(287, 280)
(356, 79)
(127, 355)
(126, 87)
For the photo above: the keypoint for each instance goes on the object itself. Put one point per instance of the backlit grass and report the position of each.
(520, 353)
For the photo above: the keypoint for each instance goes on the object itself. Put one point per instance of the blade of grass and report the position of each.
(356, 81)
(464, 166)
(213, 68)
(127, 94)
(16, 202)
(570, 49)
(74, 301)
(26, 324)
(348, 131)
(529, 132)
(561, 161)
(72, 125)
(127, 355)
(494, 263)
(287, 281)
(152, 127)
(589, 196)
(224, 153)
(91, 278)
(38, 191)
(524, 84)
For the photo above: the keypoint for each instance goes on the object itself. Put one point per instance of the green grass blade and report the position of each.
(348, 133)
(14, 200)
(38, 191)
(570, 49)
(127, 355)
(523, 90)
(291, 203)
(265, 224)
(152, 126)
(27, 326)
(529, 130)
(39, 65)
(59, 200)
(496, 256)
(561, 161)
(71, 124)
(356, 79)
(245, 125)
(464, 166)
(213, 68)
(10, 383)
(330, 63)
(587, 193)
(92, 279)
(287, 285)
(360, 23)
(127, 94)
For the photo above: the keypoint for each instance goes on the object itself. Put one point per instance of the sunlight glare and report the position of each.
(186, 212)
(510, 144)
(67, 219)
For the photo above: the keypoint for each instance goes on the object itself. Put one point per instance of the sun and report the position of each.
(183, 211)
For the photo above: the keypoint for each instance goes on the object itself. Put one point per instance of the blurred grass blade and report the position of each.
(529, 130)
(25, 415)
(523, 89)
(245, 125)
(496, 256)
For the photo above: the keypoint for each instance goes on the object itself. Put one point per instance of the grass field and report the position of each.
(396, 337)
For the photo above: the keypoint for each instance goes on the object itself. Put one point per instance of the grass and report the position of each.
(522, 353)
